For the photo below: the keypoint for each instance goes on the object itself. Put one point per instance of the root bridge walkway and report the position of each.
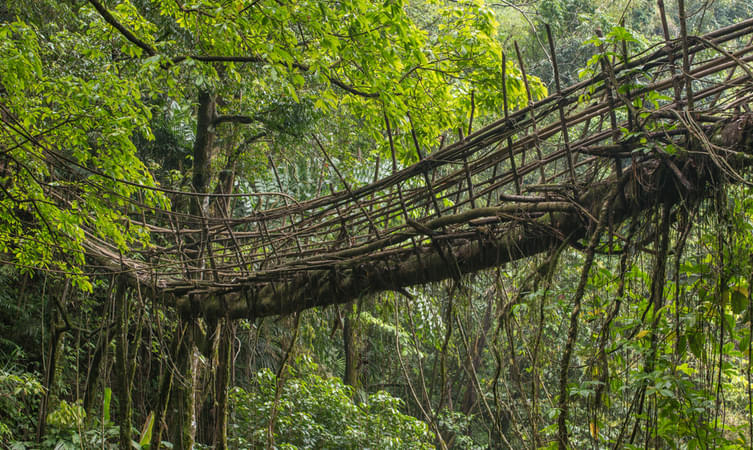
(663, 127)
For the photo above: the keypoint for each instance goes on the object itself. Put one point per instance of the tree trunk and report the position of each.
(188, 359)
(350, 342)
(122, 378)
(56, 340)
(93, 378)
(221, 380)
(186, 418)
(165, 390)
(202, 149)
(49, 379)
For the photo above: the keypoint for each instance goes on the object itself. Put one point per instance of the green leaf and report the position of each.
(739, 300)
(687, 370)
(697, 341)
(106, 405)
(146, 432)
(729, 321)
(745, 341)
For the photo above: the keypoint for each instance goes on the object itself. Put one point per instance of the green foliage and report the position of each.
(67, 429)
(19, 396)
(84, 95)
(85, 117)
(565, 14)
(87, 109)
(612, 54)
(319, 412)
(20, 324)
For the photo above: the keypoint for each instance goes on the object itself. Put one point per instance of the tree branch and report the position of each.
(234, 118)
(257, 59)
(123, 30)
(109, 18)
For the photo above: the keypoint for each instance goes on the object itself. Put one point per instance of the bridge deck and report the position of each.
(516, 187)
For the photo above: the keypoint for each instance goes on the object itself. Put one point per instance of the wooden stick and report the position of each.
(347, 187)
(610, 99)
(563, 120)
(532, 113)
(427, 180)
(516, 179)
(685, 55)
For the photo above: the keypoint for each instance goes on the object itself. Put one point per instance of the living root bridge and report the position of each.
(657, 179)
(532, 180)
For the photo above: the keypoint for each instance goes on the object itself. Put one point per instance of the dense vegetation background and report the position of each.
(86, 362)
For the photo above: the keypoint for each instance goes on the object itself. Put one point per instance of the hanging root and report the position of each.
(572, 333)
